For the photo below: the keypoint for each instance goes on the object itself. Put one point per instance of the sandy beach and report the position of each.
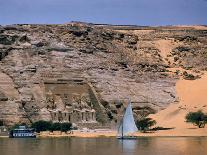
(79, 133)
(189, 132)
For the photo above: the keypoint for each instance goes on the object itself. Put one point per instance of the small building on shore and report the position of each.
(3, 131)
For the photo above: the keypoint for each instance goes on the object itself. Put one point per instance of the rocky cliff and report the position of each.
(116, 62)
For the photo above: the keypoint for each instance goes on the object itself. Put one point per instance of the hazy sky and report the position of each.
(139, 12)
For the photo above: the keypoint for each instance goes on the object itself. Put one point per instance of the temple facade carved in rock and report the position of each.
(69, 101)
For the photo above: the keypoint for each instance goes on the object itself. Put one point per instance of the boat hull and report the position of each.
(22, 132)
(22, 135)
(127, 138)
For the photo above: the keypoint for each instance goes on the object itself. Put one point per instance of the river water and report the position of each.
(104, 146)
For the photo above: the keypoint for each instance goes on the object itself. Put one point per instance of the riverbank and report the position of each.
(4, 136)
(79, 133)
(188, 132)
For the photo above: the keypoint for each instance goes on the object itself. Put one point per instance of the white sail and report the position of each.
(127, 125)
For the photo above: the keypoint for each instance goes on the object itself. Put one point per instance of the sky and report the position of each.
(126, 12)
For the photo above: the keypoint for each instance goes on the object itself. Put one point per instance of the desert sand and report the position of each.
(192, 96)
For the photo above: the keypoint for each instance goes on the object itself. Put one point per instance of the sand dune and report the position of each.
(193, 97)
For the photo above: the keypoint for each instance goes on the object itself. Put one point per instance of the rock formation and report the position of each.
(43, 68)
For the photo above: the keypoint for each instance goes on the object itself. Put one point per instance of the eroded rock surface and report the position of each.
(115, 63)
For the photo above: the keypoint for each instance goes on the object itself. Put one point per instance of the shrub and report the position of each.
(56, 127)
(42, 125)
(1, 123)
(197, 118)
(145, 123)
(66, 127)
(49, 126)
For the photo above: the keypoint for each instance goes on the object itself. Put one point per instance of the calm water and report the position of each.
(104, 146)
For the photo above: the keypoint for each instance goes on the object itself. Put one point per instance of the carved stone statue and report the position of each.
(50, 100)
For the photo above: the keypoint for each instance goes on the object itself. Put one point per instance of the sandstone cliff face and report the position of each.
(117, 62)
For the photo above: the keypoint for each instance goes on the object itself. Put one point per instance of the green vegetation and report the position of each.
(66, 127)
(197, 118)
(144, 124)
(1, 123)
(42, 126)
(49, 126)
(55, 127)
(46, 126)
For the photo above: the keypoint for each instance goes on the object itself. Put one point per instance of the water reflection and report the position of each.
(104, 146)
(127, 146)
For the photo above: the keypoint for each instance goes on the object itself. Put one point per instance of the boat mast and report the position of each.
(122, 128)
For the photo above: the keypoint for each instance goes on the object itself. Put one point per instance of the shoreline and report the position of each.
(189, 132)
(141, 136)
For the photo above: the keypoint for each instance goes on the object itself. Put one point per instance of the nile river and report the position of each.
(104, 146)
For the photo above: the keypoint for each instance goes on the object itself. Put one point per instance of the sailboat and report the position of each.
(127, 125)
